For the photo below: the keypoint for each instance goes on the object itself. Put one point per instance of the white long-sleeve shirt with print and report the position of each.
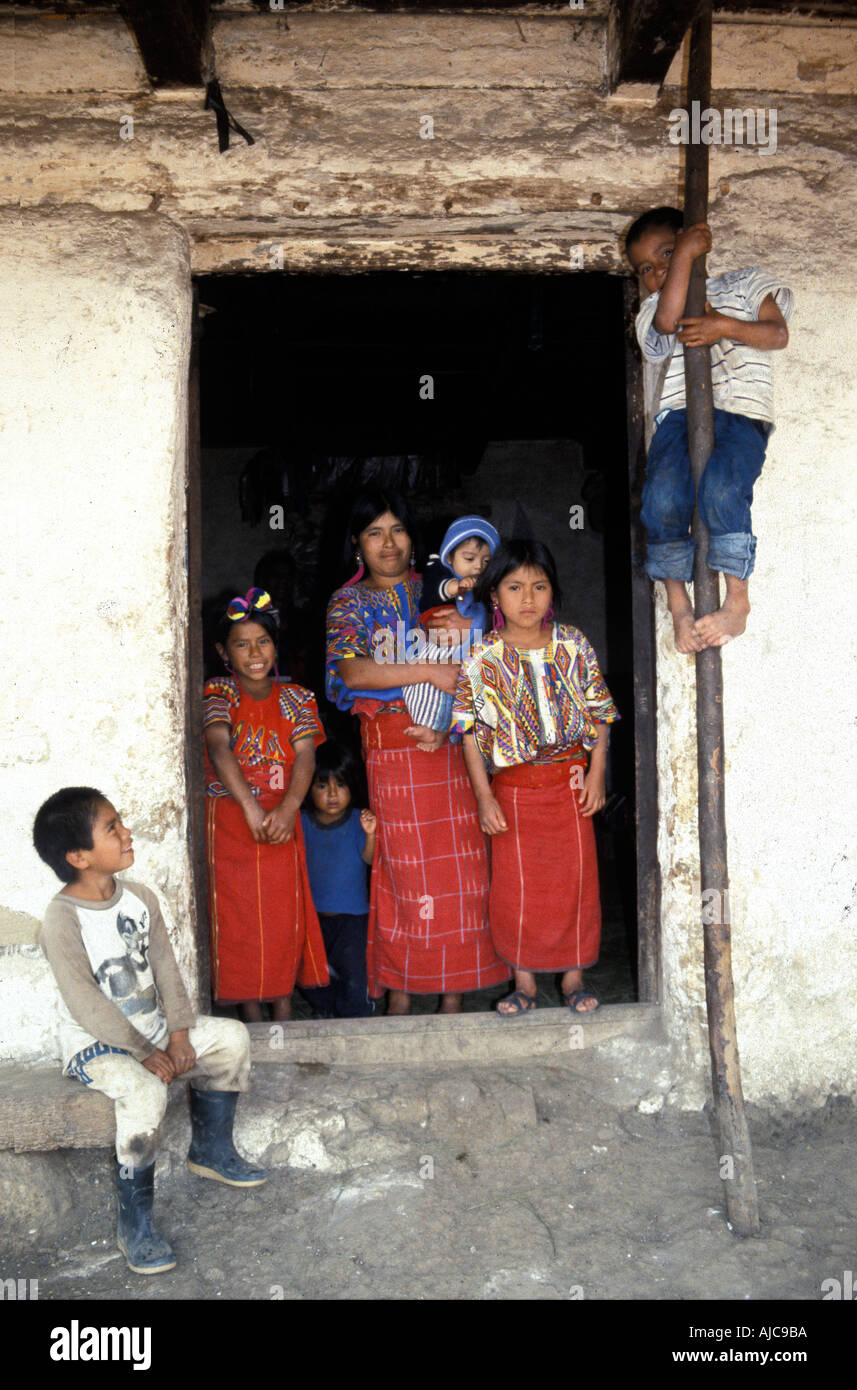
(116, 972)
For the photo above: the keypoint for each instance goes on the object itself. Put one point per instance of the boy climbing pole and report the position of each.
(745, 319)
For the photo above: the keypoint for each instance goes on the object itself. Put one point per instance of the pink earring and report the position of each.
(548, 618)
(355, 578)
(499, 621)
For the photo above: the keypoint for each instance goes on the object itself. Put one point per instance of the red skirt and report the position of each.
(265, 933)
(544, 909)
(428, 912)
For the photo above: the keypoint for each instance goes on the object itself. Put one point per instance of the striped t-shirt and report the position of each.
(741, 376)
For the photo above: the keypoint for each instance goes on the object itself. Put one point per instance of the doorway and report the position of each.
(510, 396)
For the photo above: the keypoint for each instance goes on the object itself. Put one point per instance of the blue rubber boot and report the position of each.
(212, 1153)
(145, 1251)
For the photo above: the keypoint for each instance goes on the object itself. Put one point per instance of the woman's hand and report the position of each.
(441, 617)
(444, 675)
(491, 818)
(255, 818)
(279, 824)
(446, 622)
(180, 1052)
(592, 795)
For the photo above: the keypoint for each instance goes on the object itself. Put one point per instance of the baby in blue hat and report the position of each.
(450, 577)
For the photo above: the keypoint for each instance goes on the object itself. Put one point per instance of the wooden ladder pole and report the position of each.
(736, 1157)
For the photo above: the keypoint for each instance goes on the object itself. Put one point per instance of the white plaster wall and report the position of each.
(105, 306)
(791, 739)
(94, 357)
(792, 732)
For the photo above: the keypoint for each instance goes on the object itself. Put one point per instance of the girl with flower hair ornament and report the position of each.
(260, 739)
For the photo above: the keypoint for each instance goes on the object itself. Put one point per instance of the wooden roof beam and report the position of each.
(174, 39)
(643, 37)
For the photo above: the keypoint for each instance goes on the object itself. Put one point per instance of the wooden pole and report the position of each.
(194, 764)
(736, 1157)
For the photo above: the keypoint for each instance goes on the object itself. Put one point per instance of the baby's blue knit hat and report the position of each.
(462, 530)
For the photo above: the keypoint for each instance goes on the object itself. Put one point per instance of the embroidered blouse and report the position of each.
(532, 706)
(355, 614)
(263, 731)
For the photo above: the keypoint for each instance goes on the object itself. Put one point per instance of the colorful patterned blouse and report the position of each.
(532, 706)
(355, 614)
(263, 731)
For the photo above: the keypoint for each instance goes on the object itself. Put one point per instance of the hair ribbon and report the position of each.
(240, 609)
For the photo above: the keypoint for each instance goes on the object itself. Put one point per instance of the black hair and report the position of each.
(655, 217)
(513, 555)
(63, 824)
(334, 759)
(226, 625)
(368, 505)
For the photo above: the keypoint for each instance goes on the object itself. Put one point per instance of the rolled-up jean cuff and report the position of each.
(733, 553)
(670, 560)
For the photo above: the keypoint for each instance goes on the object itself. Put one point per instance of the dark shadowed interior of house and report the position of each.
(500, 395)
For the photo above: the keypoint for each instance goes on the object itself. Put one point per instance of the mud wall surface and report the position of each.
(485, 142)
(94, 354)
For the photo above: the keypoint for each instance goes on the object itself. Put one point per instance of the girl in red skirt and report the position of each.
(260, 739)
(534, 710)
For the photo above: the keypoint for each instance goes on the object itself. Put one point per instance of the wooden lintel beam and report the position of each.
(426, 6)
(643, 37)
(173, 37)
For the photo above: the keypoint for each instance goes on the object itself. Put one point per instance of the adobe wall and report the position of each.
(94, 357)
(530, 163)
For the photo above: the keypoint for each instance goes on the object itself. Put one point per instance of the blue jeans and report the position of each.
(725, 495)
(347, 995)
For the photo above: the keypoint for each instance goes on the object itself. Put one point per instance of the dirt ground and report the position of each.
(528, 1181)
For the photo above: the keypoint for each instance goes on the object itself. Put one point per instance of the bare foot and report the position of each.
(730, 620)
(687, 640)
(427, 740)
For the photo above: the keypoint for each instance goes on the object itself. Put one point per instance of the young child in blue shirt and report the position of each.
(340, 843)
(744, 321)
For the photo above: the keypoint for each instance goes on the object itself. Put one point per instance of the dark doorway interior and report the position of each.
(309, 385)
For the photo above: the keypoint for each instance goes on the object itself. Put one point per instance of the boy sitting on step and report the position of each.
(127, 1027)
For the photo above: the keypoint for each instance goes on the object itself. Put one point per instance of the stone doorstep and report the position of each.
(40, 1109)
(468, 1037)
